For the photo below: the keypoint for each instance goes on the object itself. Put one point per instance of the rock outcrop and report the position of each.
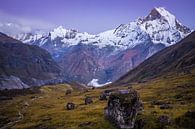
(123, 107)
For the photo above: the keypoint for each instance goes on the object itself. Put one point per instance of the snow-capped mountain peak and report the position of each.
(62, 32)
(167, 15)
(163, 27)
(159, 27)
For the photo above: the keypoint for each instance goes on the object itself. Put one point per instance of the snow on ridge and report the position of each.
(162, 30)
(167, 15)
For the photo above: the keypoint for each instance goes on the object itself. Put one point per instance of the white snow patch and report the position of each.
(94, 82)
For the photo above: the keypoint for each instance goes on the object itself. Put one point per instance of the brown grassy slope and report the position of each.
(47, 108)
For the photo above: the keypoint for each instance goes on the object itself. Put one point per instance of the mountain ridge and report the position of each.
(23, 65)
(176, 58)
(113, 52)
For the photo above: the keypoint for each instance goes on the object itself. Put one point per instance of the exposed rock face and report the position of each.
(122, 108)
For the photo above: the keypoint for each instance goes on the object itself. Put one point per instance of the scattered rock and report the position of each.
(68, 92)
(34, 97)
(46, 118)
(164, 120)
(26, 104)
(88, 100)
(70, 106)
(154, 112)
(84, 91)
(42, 127)
(103, 96)
(84, 124)
(155, 102)
(123, 107)
(190, 114)
(139, 124)
(47, 106)
(5, 98)
(3, 120)
(182, 103)
(130, 87)
(187, 120)
(166, 106)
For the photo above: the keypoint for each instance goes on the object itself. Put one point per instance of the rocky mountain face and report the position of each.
(23, 65)
(179, 58)
(109, 55)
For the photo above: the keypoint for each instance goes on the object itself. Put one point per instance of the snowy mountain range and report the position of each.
(160, 26)
(107, 56)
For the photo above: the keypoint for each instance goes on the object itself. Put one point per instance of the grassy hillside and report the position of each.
(47, 108)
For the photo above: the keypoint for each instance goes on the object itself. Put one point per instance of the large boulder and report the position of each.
(106, 93)
(123, 107)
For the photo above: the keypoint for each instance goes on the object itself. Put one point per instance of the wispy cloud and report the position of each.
(11, 24)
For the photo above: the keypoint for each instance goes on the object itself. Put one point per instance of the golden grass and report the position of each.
(48, 109)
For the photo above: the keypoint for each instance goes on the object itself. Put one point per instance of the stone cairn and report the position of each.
(123, 107)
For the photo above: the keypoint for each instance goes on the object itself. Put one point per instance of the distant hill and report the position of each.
(177, 58)
(23, 65)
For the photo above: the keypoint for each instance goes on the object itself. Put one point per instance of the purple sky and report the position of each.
(93, 16)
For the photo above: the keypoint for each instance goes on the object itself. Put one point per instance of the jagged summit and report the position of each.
(163, 27)
(161, 13)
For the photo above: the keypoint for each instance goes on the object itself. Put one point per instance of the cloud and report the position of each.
(12, 25)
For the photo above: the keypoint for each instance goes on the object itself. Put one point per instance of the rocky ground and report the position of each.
(168, 103)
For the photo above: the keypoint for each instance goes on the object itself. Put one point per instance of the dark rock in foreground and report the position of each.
(70, 106)
(164, 120)
(105, 95)
(88, 100)
(84, 124)
(123, 107)
(68, 92)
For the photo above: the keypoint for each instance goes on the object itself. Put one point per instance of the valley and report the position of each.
(137, 75)
(47, 109)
